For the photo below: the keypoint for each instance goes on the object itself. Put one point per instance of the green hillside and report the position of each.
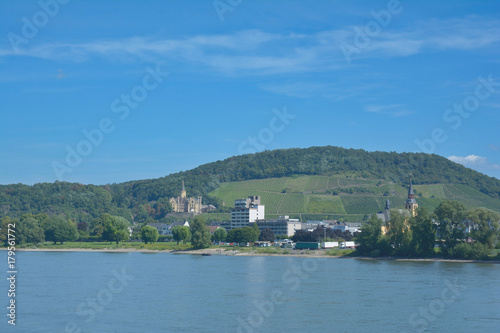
(315, 182)
(345, 197)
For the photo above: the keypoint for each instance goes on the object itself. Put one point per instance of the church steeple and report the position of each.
(411, 195)
(183, 190)
(411, 204)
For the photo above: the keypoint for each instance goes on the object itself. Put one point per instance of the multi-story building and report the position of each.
(246, 211)
(283, 225)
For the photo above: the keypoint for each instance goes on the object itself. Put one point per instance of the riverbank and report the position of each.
(230, 252)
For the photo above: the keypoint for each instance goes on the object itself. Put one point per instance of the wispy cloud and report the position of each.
(475, 162)
(258, 52)
(493, 147)
(393, 110)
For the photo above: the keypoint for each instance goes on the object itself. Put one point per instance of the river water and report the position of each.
(162, 292)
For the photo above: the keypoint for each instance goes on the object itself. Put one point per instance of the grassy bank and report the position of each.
(169, 246)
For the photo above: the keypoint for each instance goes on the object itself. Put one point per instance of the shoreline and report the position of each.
(223, 252)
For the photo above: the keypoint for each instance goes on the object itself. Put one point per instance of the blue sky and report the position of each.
(164, 86)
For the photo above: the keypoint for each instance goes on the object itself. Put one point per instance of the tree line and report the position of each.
(459, 233)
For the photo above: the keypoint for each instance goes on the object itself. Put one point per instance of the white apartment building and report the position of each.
(246, 211)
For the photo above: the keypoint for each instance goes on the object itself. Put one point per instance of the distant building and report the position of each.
(411, 204)
(161, 227)
(385, 215)
(175, 224)
(183, 204)
(207, 208)
(410, 210)
(282, 226)
(246, 211)
(352, 227)
(311, 225)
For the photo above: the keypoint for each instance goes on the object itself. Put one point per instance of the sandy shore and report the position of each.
(223, 252)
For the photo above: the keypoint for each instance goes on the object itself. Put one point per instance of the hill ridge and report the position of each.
(349, 169)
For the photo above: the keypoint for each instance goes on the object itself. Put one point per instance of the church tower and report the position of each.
(411, 204)
(183, 191)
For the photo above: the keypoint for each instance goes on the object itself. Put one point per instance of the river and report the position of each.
(163, 292)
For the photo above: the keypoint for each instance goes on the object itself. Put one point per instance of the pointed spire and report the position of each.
(183, 191)
(410, 189)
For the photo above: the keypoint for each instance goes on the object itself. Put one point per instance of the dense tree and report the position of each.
(267, 234)
(399, 233)
(110, 228)
(149, 234)
(219, 235)
(451, 210)
(303, 236)
(83, 227)
(256, 230)
(423, 234)
(371, 240)
(451, 216)
(484, 225)
(115, 228)
(4, 227)
(58, 229)
(242, 235)
(200, 233)
(29, 229)
(181, 233)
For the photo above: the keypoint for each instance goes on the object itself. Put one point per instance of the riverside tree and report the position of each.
(242, 235)
(423, 234)
(149, 234)
(200, 233)
(115, 228)
(219, 235)
(371, 238)
(58, 229)
(399, 233)
(451, 216)
(181, 233)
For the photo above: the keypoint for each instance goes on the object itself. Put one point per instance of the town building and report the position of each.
(282, 226)
(183, 204)
(166, 229)
(385, 215)
(352, 227)
(246, 211)
(161, 227)
(411, 206)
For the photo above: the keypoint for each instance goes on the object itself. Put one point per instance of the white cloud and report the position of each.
(393, 110)
(475, 162)
(260, 52)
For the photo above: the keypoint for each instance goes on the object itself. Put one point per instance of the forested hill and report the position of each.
(139, 200)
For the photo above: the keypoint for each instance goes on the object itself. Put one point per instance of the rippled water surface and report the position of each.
(160, 292)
